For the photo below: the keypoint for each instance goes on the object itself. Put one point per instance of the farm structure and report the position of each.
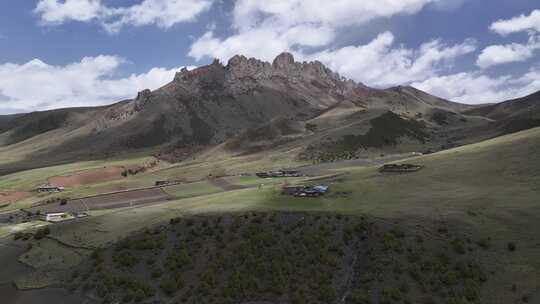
(279, 173)
(56, 216)
(50, 189)
(305, 191)
(400, 168)
(159, 183)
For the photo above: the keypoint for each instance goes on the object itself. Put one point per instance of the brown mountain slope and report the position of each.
(513, 115)
(528, 106)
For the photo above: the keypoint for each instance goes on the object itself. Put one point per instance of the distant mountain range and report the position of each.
(248, 106)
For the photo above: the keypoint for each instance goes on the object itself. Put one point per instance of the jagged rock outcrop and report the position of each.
(142, 98)
(242, 75)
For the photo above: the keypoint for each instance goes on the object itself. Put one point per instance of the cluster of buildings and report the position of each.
(305, 191)
(160, 183)
(279, 173)
(400, 168)
(55, 217)
(50, 189)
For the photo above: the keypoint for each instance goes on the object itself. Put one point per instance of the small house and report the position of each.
(279, 173)
(308, 193)
(161, 183)
(276, 173)
(292, 190)
(56, 216)
(400, 168)
(50, 189)
(291, 173)
(305, 191)
(321, 188)
(262, 174)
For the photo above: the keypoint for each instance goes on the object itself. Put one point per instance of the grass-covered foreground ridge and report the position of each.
(283, 257)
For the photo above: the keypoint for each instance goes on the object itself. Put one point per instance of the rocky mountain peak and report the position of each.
(237, 60)
(242, 75)
(283, 60)
(143, 97)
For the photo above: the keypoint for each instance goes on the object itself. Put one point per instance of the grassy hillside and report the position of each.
(478, 202)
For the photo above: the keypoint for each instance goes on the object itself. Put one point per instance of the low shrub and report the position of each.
(42, 232)
(458, 246)
(511, 246)
(484, 243)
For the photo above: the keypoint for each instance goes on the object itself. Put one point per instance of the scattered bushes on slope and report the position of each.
(285, 257)
(386, 130)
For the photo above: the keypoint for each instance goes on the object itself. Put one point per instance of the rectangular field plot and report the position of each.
(107, 201)
(192, 189)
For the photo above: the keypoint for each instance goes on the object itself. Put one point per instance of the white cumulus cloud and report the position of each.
(36, 85)
(162, 13)
(263, 43)
(54, 11)
(263, 29)
(380, 63)
(476, 87)
(248, 13)
(518, 24)
(514, 52)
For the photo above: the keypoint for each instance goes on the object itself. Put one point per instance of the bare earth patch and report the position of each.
(13, 196)
(104, 174)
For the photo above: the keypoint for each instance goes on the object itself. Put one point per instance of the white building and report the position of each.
(50, 189)
(56, 216)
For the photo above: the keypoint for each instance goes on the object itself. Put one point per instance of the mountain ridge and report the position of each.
(216, 103)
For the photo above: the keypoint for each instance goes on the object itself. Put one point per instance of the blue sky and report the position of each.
(61, 53)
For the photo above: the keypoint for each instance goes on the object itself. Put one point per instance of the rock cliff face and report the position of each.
(243, 76)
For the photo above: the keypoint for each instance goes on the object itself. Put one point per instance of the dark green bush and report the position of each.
(404, 287)
(157, 272)
(484, 243)
(41, 233)
(139, 295)
(128, 297)
(511, 246)
(458, 246)
(18, 235)
(169, 285)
